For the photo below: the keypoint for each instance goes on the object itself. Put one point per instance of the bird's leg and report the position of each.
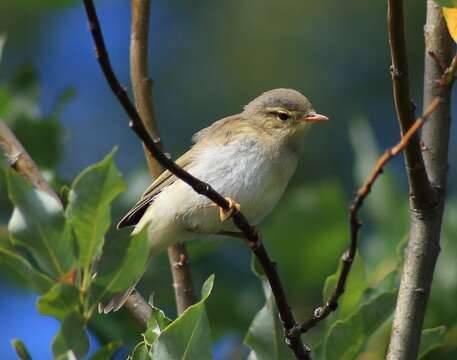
(233, 208)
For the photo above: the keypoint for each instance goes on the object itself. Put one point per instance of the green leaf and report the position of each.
(346, 338)
(189, 336)
(157, 322)
(43, 137)
(447, 3)
(106, 352)
(12, 258)
(140, 352)
(71, 336)
(38, 224)
(89, 207)
(21, 350)
(60, 301)
(69, 355)
(266, 336)
(122, 263)
(431, 339)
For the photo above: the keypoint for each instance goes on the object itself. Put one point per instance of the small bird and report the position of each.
(248, 158)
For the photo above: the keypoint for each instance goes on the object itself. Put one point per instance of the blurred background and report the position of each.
(208, 59)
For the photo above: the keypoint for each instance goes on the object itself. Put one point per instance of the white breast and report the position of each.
(244, 171)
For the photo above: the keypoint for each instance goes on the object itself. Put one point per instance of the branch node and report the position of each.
(318, 312)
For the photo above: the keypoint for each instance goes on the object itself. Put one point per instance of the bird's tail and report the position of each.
(119, 299)
(116, 301)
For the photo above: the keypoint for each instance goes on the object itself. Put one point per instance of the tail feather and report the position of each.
(116, 301)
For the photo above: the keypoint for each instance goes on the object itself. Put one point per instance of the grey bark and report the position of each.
(424, 237)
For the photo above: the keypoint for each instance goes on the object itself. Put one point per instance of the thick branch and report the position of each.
(321, 312)
(142, 92)
(19, 160)
(422, 194)
(202, 188)
(423, 245)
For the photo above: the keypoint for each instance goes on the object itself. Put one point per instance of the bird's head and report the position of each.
(284, 113)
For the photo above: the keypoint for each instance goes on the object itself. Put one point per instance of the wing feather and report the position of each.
(165, 179)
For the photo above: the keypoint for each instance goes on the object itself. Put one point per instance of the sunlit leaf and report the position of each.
(71, 336)
(431, 339)
(347, 337)
(450, 14)
(38, 224)
(89, 207)
(122, 263)
(21, 350)
(189, 336)
(140, 352)
(39, 281)
(60, 301)
(157, 322)
(69, 355)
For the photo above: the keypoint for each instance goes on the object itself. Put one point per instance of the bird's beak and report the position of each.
(315, 118)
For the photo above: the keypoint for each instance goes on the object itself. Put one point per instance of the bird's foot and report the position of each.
(234, 207)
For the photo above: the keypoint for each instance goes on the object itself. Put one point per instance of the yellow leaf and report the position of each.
(450, 14)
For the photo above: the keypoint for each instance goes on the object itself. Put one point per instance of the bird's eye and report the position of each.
(282, 115)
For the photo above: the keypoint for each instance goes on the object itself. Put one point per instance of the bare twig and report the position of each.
(139, 308)
(251, 234)
(417, 176)
(321, 312)
(141, 82)
(19, 160)
(424, 237)
(142, 92)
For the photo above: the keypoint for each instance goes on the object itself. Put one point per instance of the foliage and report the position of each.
(69, 288)
(57, 249)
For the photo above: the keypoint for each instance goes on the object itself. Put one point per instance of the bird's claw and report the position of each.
(234, 207)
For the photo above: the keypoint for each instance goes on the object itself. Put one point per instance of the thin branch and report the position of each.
(19, 160)
(141, 82)
(420, 188)
(321, 312)
(139, 308)
(251, 234)
(142, 93)
(424, 237)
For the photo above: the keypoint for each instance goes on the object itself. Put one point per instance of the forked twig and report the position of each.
(321, 312)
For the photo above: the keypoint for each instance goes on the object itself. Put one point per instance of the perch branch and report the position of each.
(424, 238)
(252, 236)
(321, 312)
(142, 93)
(19, 160)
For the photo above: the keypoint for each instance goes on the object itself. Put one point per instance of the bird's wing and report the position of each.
(218, 128)
(165, 179)
(219, 132)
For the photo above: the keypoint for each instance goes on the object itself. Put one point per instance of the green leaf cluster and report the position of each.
(187, 337)
(57, 250)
